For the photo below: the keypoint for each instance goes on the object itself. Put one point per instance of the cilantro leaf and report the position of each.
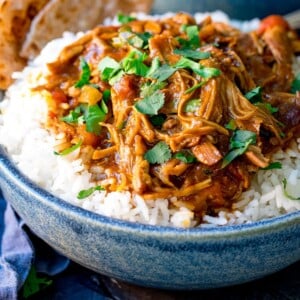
(255, 95)
(273, 165)
(148, 89)
(123, 19)
(152, 104)
(133, 64)
(85, 74)
(205, 72)
(158, 120)
(155, 64)
(193, 36)
(106, 95)
(195, 87)
(73, 116)
(185, 156)
(193, 40)
(34, 283)
(239, 143)
(271, 109)
(85, 193)
(108, 68)
(193, 54)
(93, 116)
(241, 137)
(296, 84)
(192, 105)
(162, 73)
(69, 150)
(137, 40)
(159, 154)
(284, 181)
(231, 125)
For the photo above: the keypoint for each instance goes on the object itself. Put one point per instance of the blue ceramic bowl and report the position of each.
(236, 9)
(153, 256)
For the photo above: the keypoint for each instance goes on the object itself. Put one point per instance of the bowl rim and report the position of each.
(11, 172)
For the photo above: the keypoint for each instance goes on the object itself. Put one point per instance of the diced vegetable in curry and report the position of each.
(170, 108)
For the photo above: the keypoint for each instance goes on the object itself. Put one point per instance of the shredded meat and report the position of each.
(142, 88)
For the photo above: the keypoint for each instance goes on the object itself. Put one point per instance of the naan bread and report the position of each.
(27, 25)
(15, 20)
(74, 15)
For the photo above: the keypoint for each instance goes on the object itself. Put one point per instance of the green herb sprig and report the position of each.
(284, 182)
(159, 154)
(85, 74)
(296, 84)
(34, 283)
(185, 156)
(69, 150)
(151, 104)
(239, 143)
(86, 193)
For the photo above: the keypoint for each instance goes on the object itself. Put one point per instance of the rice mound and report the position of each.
(31, 148)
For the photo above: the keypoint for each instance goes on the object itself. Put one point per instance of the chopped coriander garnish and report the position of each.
(255, 95)
(273, 165)
(271, 109)
(195, 87)
(123, 19)
(133, 63)
(193, 40)
(296, 84)
(151, 104)
(157, 120)
(93, 116)
(34, 283)
(159, 154)
(193, 54)
(70, 149)
(103, 106)
(231, 125)
(185, 156)
(155, 64)
(193, 36)
(148, 89)
(192, 105)
(73, 117)
(205, 72)
(106, 95)
(137, 40)
(108, 68)
(284, 181)
(239, 143)
(85, 74)
(85, 193)
(162, 73)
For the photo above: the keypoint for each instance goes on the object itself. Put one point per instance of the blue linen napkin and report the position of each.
(18, 253)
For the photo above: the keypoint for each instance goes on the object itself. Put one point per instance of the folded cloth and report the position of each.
(18, 252)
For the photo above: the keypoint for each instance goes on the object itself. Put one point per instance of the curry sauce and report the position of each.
(171, 108)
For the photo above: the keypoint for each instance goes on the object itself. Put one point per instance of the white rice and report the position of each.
(31, 147)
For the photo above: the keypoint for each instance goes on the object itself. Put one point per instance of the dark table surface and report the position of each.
(79, 283)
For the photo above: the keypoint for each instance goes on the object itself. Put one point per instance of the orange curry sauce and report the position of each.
(170, 108)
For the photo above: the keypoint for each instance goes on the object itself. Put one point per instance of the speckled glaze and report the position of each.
(153, 256)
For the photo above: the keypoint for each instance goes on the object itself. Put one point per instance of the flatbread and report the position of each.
(74, 15)
(15, 20)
